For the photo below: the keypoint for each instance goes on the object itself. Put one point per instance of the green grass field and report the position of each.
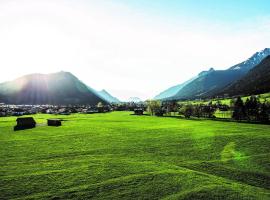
(121, 156)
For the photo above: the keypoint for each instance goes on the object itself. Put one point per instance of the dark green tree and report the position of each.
(239, 109)
(187, 110)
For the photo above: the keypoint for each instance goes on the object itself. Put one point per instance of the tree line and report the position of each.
(250, 110)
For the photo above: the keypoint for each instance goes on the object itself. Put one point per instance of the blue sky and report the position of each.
(230, 11)
(130, 48)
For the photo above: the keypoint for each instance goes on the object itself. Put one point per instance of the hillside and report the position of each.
(57, 88)
(211, 82)
(108, 97)
(207, 83)
(256, 81)
(170, 92)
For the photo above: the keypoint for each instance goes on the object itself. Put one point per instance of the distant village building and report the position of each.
(54, 122)
(25, 123)
(49, 111)
(3, 114)
(138, 111)
(17, 113)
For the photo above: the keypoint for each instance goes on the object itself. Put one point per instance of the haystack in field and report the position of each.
(138, 111)
(25, 123)
(54, 122)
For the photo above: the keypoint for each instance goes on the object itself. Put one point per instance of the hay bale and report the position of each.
(54, 122)
(25, 123)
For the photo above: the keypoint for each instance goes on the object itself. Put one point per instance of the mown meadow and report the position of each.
(122, 156)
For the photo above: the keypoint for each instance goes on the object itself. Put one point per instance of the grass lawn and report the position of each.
(121, 156)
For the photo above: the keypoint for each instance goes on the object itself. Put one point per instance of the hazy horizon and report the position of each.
(129, 48)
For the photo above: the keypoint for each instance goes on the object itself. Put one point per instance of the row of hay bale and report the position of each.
(29, 122)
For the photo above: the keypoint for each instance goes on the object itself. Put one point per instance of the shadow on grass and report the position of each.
(140, 115)
(256, 179)
(20, 128)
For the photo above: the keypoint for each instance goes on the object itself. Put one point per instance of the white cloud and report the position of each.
(114, 47)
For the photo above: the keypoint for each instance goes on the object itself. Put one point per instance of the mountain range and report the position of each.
(57, 88)
(172, 91)
(209, 83)
(134, 100)
(248, 77)
(256, 81)
(108, 97)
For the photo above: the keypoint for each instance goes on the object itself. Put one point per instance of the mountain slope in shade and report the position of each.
(205, 84)
(208, 84)
(108, 97)
(256, 81)
(57, 88)
(170, 92)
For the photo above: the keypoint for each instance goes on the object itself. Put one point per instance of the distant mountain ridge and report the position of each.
(256, 81)
(254, 60)
(134, 99)
(208, 83)
(56, 88)
(108, 97)
(172, 91)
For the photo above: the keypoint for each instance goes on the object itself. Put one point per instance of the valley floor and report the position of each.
(122, 156)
